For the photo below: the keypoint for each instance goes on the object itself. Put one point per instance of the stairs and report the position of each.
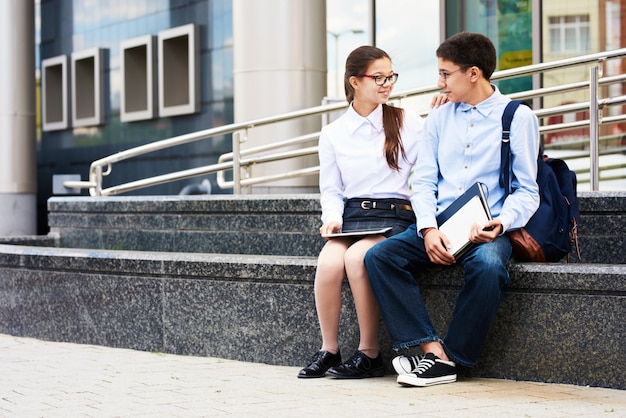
(232, 277)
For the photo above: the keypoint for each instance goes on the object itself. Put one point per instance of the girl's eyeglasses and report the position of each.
(381, 80)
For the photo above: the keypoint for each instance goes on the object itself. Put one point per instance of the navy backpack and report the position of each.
(551, 231)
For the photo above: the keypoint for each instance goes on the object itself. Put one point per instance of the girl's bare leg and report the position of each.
(328, 278)
(364, 300)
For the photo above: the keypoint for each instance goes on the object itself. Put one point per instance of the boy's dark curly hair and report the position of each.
(468, 49)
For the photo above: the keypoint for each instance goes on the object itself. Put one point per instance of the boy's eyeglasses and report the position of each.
(445, 74)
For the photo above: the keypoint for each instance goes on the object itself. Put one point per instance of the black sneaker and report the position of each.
(321, 361)
(431, 370)
(359, 366)
(405, 364)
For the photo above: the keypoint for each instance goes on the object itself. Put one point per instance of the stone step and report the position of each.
(560, 323)
(264, 224)
(272, 225)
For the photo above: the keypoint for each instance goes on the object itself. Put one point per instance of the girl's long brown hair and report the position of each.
(393, 118)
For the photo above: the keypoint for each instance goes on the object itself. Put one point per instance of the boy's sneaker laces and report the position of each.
(431, 370)
(405, 364)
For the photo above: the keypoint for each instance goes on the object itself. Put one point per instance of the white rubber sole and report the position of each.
(413, 380)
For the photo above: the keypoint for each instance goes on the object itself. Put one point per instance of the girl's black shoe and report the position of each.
(321, 361)
(359, 366)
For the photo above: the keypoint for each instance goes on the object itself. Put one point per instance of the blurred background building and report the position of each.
(115, 74)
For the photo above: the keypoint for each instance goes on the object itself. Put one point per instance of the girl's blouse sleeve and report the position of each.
(331, 190)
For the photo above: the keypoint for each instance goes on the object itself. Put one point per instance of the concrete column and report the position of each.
(279, 67)
(18, 183)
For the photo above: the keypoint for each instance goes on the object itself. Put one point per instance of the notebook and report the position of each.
(457, 219)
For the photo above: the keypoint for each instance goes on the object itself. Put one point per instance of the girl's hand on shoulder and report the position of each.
(438, 99)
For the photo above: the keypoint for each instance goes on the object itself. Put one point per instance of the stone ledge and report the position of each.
(264, 224)
(261, 309)
(572, 277)
(300, 203)
(154, 264)
(50, 240)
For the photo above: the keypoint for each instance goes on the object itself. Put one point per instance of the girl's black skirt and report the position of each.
(364, 214)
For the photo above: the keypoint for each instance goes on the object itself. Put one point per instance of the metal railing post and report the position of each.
(594, 128)
(96, 178)
(236, 164)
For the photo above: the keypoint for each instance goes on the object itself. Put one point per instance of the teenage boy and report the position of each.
(461, 147)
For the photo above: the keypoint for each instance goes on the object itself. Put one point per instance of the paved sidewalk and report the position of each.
(49, 379)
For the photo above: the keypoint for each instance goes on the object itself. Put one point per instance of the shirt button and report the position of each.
(467, 145)
(466, 167)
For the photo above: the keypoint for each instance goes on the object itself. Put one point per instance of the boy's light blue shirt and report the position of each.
(462, 146)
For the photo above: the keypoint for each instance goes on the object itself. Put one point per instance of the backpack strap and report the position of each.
(505, 150)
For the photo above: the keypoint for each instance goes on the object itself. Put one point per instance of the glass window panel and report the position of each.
(411, 38)
(506, 23)
(570, 39)
(585, 45)
(555, 40)
(346, 29)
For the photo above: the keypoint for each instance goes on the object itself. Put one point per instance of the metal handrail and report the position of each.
(235, 160)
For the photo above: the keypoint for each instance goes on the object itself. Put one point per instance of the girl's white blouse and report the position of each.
(353, 163)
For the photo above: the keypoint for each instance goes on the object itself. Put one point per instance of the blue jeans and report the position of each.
(391, 265)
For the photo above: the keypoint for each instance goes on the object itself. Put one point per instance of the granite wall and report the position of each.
(559, 322)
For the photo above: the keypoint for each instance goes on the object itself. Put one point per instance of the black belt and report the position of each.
(367, 204)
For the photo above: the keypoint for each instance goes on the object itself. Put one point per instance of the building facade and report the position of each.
(113, 75)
